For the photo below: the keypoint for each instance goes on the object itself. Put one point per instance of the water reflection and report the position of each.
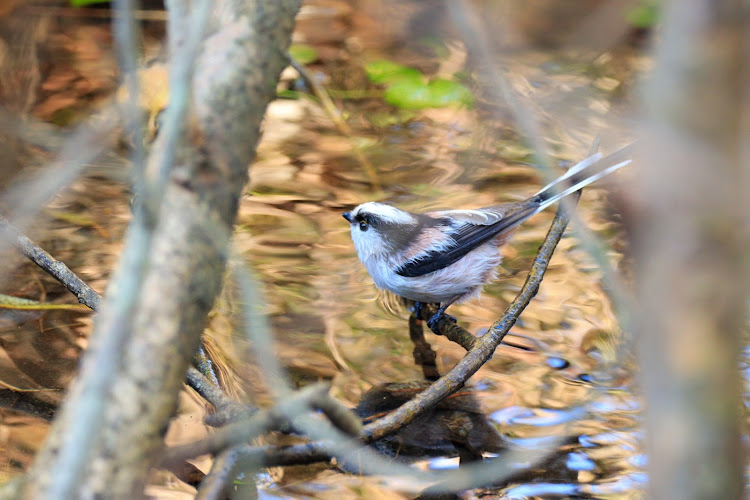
(456, 426)
(328, 321)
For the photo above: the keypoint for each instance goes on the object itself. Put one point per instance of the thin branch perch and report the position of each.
(55, 268)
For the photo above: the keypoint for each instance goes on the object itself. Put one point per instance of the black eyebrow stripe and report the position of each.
(369, 218)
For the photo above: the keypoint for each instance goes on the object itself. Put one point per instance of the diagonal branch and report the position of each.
(280, 418)
(55, 268)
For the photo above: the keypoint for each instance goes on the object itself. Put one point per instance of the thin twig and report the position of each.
(220, 478)
(448, 328)
(245, 430)
(55, 268)
(227, 409)
(127, 33)
(339, 415)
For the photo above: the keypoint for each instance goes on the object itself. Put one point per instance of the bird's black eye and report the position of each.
(363, 225)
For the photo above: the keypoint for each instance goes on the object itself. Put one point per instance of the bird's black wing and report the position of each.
(476, 227)
(466, 237)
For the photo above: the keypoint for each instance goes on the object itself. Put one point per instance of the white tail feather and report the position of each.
(573, 170)
(580, 175)
(579, 185)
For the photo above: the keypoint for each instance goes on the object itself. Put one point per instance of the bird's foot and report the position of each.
(420, 309)
(432, 323)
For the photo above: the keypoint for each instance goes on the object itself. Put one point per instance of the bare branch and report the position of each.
(109, 430)
(423, 354)
(55, 268)
(227, 409)
(245, 430)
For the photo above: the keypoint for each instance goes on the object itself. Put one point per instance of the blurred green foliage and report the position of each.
(387, 73)
(409, 88)
(644, 15)
(304, 54)
(84, 3)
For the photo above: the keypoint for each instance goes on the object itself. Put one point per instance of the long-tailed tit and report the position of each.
(446, 257)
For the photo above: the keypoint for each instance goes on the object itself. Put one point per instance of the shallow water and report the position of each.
(558, 374)
(560, 379)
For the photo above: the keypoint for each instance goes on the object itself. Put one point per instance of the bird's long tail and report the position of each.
(582, 174)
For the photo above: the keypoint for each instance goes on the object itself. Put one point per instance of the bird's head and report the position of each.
(378, 228)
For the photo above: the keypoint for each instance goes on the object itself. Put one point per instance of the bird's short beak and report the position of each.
(347, 216)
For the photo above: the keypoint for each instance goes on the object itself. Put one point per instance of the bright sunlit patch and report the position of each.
(443, 463)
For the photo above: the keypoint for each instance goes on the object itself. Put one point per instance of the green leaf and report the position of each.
(449, 93)
(438, 93)
(389, 73)
(644, 15)
(287, 94)
(408, 88)
(84, 3)
(409, 95)
(304, 54)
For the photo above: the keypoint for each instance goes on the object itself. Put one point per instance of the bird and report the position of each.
(446, 257)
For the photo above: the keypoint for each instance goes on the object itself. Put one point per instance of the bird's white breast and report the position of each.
(458, 282)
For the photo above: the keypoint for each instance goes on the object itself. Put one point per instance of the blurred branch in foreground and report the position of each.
(691, 235)
(107, 435)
